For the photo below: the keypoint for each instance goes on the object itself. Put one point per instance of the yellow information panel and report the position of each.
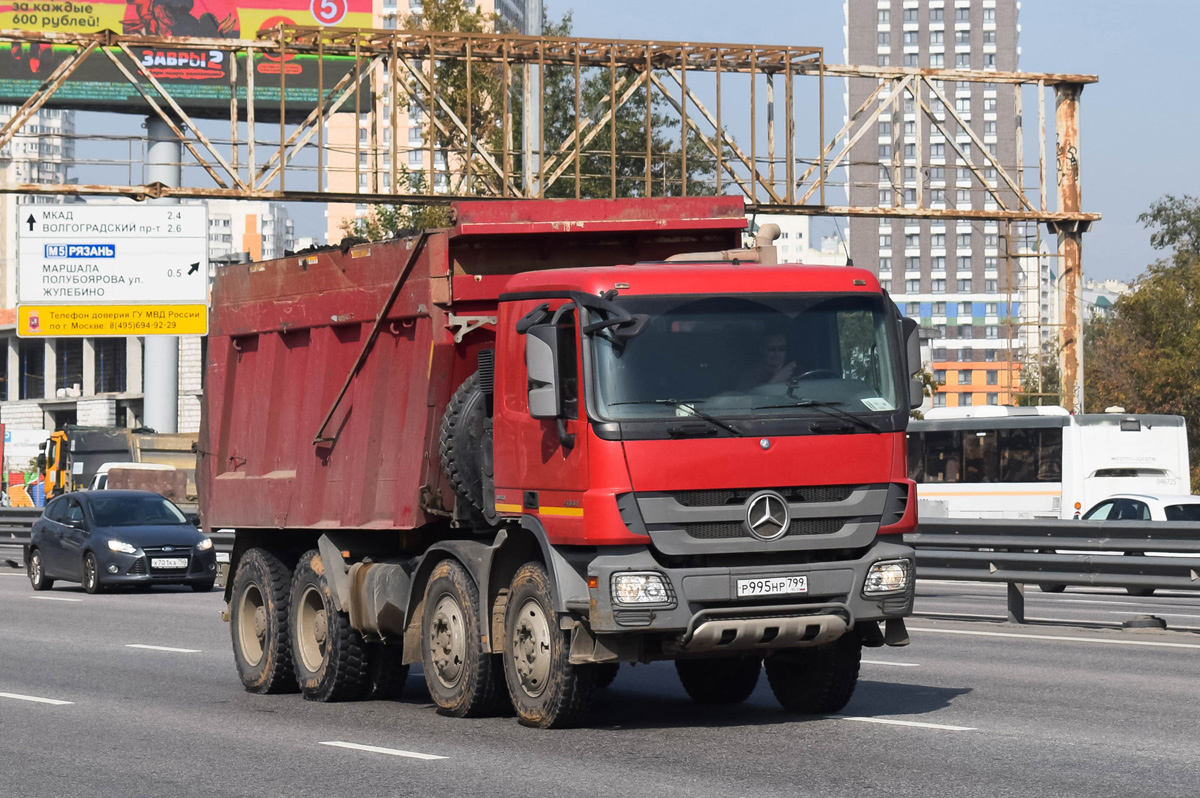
(64, 321)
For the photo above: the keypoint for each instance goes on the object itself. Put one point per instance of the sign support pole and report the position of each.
(160, 380)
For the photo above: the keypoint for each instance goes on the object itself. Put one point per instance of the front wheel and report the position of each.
(258, 623)
(720, 680)
(547, 691)
(816, 680)
(91, 574)
(462, 679)
(203, 587)
(329, 656)
(37, 572)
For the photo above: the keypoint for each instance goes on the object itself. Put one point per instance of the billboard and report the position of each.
(199, 79)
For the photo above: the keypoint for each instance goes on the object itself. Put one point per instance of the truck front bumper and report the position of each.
(702, 612)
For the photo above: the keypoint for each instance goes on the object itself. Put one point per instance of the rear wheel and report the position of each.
(91, 574)
(386, 674)
(329, 656)
(37, 572)
(461, 678)
(203, 587)
(259, 623)
(605, 673)
(818, 679)
(721, 680)
(547, 691)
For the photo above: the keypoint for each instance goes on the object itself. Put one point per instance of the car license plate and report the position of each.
(168, 562)
(772, 586)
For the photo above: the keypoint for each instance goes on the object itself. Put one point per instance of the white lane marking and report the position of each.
(164, 648)
(55, 598)
(915, 724)
(35, 699)
(1058, 638)
(374, 749)
(893, 664)
(12, 573)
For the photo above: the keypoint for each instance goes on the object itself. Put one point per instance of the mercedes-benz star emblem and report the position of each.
(767, 516)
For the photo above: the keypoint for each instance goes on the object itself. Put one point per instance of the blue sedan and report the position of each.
(118, 537)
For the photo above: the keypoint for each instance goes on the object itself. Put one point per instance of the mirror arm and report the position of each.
(567, 439)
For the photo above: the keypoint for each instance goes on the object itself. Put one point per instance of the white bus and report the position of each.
(1040, 462)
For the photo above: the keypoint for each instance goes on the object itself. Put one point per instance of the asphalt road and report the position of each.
(971, 708)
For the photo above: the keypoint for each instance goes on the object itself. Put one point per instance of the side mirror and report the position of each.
(916, 393)
(541, 363)
(912, 344)
(193, 519)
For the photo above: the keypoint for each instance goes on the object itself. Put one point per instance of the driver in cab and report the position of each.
(773, 365)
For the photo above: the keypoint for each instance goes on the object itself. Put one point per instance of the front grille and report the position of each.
(734, 496)
(181, 550)
(138, 568)
(721, 530)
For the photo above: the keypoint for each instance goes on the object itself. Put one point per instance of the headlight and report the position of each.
(887, 577)
(124, 548)
(204, 545)
(641, 588)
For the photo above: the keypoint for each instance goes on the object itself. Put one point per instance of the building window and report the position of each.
(912, 241)
(910, 59)
(992, 331)
(885, 150)
(963, 264)
(989, 104)
(912, 264)
(962, 105)
(964, 175)
(964, 309)
(962, 15)
(993, 378)
(989, 263)
(964, 377)
(885, 127)
(936, 36)
(910, 15)
(886, 285)
(991, 240)
(963, 240)
(885, 16)
(885, 174)
(939, 375)
(962, 198)
(989, 37)
(937, 150)
(992, 309)
(935, 14)
(913, 309)
(937, 60)
(910, 152)
(912, 286)
(32, 362)
(964, 286)
(885, 264)
(989, 15)
(910, 37)
(938, 196)
(989, 286)
(938, 263)
(884, 38)
(939, 399)
(939, 308)
(989, 128)
(885, 197)
(941, 353)
(69, 364)
(937, 173)
(885, 241)
(110, 365)
(939, 286)
(993, 398)
(962, 37)
(989, 355)
(884, 60)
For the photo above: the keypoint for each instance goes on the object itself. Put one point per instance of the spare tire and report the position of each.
(466, 449)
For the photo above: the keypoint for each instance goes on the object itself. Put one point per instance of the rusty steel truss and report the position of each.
(694, 84)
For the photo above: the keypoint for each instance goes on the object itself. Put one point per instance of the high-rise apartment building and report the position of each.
(961, 278)
(412, 149)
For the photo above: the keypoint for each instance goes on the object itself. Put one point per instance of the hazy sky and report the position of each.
(1139, 123)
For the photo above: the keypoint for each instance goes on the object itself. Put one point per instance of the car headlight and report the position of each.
(122, 547)
(641, 588)
(887, 577)
(204, 545)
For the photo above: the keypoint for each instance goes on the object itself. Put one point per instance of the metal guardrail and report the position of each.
(1127, 554)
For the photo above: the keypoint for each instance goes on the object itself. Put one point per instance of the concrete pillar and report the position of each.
(160, 380)
(50, 368)
(133, 364)
(89, 366)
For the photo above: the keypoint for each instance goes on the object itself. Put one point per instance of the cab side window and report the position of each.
(74, 514)
(1100, 512)
(55, 509)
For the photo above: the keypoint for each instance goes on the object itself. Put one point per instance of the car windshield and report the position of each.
(768, 355)
(134, 511)
(1183, 512)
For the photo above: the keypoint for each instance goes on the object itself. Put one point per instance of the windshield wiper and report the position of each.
(830, 408)
(687, 405)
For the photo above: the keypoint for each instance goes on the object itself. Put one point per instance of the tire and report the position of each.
(259, 623)
(817, 680)
(1141, 592)
(723, 680)
(547, 691)
(203, 587)
(328, 655)
(605, 673)
(465, 446)
(37, 572)
(386, 674)
(462, 679)
(1052, 588)
(91, 574)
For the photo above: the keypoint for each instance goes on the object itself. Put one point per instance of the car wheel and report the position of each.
(203, 587)
(91, 574)
(37, 572)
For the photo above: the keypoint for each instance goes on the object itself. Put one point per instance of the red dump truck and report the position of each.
(552, 438)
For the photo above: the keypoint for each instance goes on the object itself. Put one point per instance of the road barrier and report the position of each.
(1138, 555)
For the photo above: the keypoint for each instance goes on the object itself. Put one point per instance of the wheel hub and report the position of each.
(260, 623)
(313, 629)
(252, 625)
(447, 641)
(530, 648)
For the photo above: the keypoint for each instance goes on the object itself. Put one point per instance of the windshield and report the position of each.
(1183, 512)
(135, 511)
(778, 355)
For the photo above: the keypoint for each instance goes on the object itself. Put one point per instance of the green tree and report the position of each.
(1145, 357)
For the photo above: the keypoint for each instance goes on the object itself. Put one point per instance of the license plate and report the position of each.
(772, 586)
(168, 562)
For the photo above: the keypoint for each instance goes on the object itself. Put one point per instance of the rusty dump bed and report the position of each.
(285, 335)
